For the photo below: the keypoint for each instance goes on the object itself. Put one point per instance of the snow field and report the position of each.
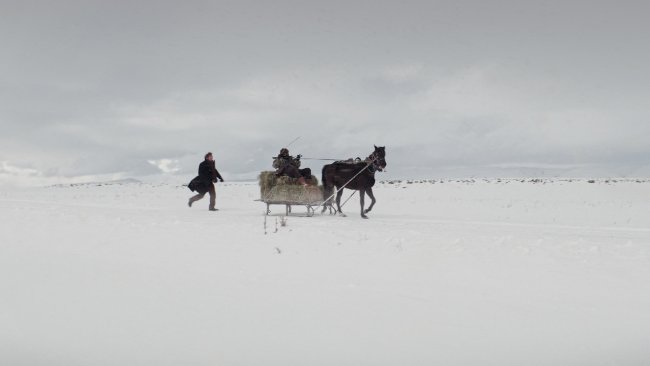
(455, 273)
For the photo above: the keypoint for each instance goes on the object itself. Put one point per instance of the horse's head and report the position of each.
(379, 157)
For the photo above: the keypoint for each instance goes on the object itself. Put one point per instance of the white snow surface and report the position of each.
(463, 272)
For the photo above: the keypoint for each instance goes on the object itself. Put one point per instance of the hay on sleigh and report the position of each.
(286, 189)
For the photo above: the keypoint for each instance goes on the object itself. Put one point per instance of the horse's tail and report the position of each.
(328, 187)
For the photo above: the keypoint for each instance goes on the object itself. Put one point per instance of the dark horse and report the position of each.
(359, 176)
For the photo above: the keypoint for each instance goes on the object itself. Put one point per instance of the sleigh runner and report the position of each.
(287, 191)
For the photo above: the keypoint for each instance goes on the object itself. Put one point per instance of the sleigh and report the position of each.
(288, 192)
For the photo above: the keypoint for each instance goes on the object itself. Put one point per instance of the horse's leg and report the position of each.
(327, 199)
(372, 199)
(362, 198)
(326, 203)
(324, 193)
(338, 201)
(329, 205)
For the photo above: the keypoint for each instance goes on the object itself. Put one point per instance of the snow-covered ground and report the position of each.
(475, 272)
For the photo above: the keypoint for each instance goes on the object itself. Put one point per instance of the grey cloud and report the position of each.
(104, 87)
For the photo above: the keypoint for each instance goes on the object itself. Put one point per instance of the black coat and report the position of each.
(208, 174)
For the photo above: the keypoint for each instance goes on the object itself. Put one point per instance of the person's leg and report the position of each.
(195, 198)
(293, 172)
(305, 173)
(213, 197)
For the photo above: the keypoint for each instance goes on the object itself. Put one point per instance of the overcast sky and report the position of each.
(110, 89)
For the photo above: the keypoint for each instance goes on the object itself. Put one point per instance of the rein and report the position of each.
(320, 159)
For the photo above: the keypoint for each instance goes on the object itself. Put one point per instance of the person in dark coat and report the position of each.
(289, 166)
(204, 182)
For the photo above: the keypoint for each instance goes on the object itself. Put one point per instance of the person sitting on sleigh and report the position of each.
(286, 164)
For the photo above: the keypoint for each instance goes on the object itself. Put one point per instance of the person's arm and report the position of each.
(218, 176)
(277, 163)
(214, 173)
